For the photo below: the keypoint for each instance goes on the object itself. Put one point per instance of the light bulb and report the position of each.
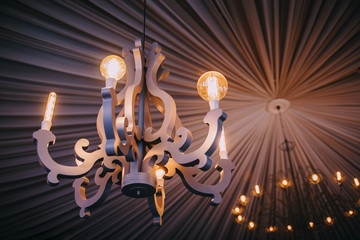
(271, 229)
(240, 218)
(50, 107)
(338, 176)
(289, 228)
(329, 220)
(212, 86)
(243, 200)
(257, 191)
(284, 183)
(350, 213)
(113, 66)
(311, 224)
(251, 225)
(237, 210)
(356, 183)
(160, 173)
(314, 178)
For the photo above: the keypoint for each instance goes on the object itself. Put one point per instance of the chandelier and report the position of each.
(132, 153)
(299, 200)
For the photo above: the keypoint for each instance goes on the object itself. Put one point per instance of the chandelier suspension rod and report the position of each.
(141, 146)
(144, 20)
(287, 149)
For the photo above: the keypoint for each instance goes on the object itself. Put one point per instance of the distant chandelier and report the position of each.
(131, 152)
(307, 194)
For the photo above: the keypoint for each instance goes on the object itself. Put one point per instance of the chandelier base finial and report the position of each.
(138, 185)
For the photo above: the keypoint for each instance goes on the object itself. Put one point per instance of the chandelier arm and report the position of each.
(111, 133)
(104, 180)
(187, 174)
(133, 91)
(214, 120)
(43, 138)
(157, 204)
(168, 104)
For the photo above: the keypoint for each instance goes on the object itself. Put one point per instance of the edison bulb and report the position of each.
(212, 86)
(311, 224)
(49, 111)
(113, 67)
(251, 225)
(160, 173)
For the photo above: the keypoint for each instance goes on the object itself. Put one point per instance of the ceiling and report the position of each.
(307, 52)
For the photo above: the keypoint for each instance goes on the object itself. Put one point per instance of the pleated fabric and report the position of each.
(307, 52)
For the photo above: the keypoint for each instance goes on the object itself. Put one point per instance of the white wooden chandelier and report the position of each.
(132, 153)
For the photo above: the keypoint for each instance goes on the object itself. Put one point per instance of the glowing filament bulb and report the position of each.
(338, 176)
(356, 183)
(271, 229)
(160, 173)
(251, 225)
(50, 107)
(284, 183)
(289, 228)
(240, 218)
(237, 210)
(243, 200)
(311, 224)
(350, 213)
(212, 86)
(113, 67)
(329, 221)
(315, 178)
(257, 190)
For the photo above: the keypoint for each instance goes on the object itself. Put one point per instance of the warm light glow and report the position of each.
(315, 178)
(356, 182)
(240, 218)
(237, 210)
(285, 183)
(257, 191)
(160, 173)
(338, 176)
(311, 224)
(113, 67)
(329, 220)
(243, 200)
(212, 85)
(350, 213)
(289, 228)
(271, 229)
(50, 107)
(251, 225)
(222, 143)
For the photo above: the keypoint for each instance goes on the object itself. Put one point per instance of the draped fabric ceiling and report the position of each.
(307, 52)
